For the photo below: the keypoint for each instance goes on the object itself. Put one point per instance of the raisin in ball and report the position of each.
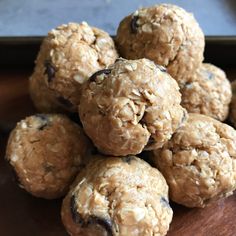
(131, 106)
(166, 34)
(118, 197)
(69, 55)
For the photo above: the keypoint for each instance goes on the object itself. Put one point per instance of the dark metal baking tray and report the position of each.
(22, 51)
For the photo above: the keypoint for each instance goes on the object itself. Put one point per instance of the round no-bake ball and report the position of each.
(199, 162)
(118, 197)
(69, 55)
(207, 92)
(46, 152)
(132, 105)
(166, 34)
(232, 115)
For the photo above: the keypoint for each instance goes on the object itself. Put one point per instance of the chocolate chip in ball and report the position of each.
(100, 72)
(104, 223)
(49, 70)
(74, 213)
(134, 24)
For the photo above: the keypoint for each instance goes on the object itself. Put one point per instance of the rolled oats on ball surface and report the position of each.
(117, 196)
(68, 56)
(131, 106)
(166, 34)
(46, 152)
(199, 162)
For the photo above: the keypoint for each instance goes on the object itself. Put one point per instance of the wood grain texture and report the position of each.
(22, 214)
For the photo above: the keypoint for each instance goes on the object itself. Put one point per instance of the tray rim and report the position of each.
(37, 39)
(219, 50)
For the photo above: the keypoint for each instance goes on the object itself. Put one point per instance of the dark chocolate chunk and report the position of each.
(74, 213)
(165, 202)
(64, 102)
(49, 70)
(134, 24)
(104, 223)
(127, 159)
(100, 72)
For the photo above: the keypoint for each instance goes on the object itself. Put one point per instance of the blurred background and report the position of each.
(37, 17)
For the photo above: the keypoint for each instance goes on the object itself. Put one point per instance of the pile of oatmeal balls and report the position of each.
(148, 90)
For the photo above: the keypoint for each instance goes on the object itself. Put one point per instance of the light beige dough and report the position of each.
(46, 152)
(131, 106)
(166, 34)
(207, 92)
(117, 197)
(199, 162)
(69, 55)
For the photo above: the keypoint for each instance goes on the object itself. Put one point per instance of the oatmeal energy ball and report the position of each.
(208, 92)
(166, 34)
(118, 197)
(69, 55)
(131, 106)
(199, 162)
(46, 152)
(232, 115)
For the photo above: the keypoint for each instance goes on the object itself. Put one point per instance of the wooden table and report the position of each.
(23, 215)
